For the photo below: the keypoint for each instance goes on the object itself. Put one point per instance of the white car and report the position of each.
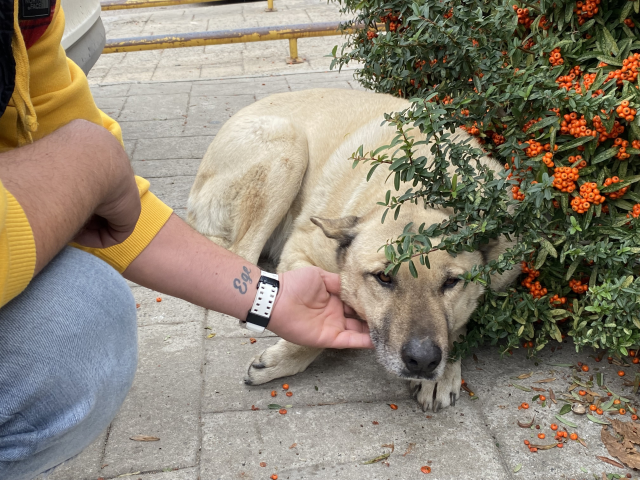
(84, 35)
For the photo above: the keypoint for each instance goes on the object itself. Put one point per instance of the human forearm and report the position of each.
(182, 263)
(307, 310)
(63, 178)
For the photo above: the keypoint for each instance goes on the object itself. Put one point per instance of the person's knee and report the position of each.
(68, 350)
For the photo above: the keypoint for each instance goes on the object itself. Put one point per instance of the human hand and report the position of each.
(308, 311)
(116, 215)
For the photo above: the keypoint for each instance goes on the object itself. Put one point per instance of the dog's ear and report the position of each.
(344, 229)
(491, 251)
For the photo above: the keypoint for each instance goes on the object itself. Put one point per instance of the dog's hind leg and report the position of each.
(247, 182)
(280, 360)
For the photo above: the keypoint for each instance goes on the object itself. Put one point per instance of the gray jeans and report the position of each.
(68, 355)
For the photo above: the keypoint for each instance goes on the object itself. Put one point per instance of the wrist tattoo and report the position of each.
(240, 284)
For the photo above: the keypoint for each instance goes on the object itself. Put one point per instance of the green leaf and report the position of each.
(597, 420)
(566, 422)
(574, 143)
(609, 60)
(610, 42)
(412, 269)
(626, 10)
(524, 389)
(605, 155)
(614, 187)
(566, 408)
(545, 122)
(544, 243)
(517, 468)
(274, 406)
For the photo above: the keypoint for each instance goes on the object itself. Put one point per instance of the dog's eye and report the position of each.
(450, 283)
(383, 277)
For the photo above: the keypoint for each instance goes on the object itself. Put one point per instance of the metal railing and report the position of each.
(221, 37)
(127, 4)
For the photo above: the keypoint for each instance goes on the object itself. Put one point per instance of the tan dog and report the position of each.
(278, 180)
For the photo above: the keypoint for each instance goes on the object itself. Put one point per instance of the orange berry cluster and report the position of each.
(497, 139)
(449, 14)
(618, 193)
(394, 20)
(635, 213)
(517, 194)
(523, 16)
(555, 58)
(548, 159)
(557, 300)
(589, 191)
(578, 158)
(636, 144)
(536, 290)
(604, 135)
(464, 112)
(473, 130)
(577, 286)
(529, 123)
(622, 152)
(564, 179)
(626, 112)
(629, 70)
(371, 35)
(586, 10)
(629, 23)
(576, 126)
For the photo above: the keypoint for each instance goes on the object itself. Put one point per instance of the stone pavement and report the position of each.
(189, 390)
(215, 60)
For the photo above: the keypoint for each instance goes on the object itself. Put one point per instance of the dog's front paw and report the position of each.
(279, 360)
(439, 394)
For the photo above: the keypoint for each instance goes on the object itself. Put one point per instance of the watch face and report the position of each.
(30, 9)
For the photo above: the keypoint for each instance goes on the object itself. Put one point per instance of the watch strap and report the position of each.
(260, 314)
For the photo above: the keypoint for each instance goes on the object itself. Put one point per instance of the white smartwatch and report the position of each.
(260, 313)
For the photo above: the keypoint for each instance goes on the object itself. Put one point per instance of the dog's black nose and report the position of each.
(421, 357)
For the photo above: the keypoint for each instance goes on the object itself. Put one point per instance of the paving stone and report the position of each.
(127, 73)
(174, 191)
(182, 474)
(491, 378)
(225, 87)
(166, 168)
(172, 147)
(152, 128)
(142, 58)
(299, 86)
(163, 402)
(130, 147)
(170, 310)
(340, 375)
(209, 71)
(96, 74)
(334, 441)
(155, 107)
(159, 88)
(225, 326)
(208, 113)
(99, 91)
(111, 105)
(176, 73)
(85, 466)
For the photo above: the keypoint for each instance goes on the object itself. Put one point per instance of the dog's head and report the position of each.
(413, 321)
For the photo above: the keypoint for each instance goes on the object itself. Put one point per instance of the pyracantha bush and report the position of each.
(550, 89)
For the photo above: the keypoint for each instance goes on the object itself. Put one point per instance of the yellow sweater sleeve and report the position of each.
(59, 93)
(17, 248)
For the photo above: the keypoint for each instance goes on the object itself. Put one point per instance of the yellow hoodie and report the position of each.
(51, 91)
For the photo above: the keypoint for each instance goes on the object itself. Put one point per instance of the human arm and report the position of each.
(61, 180)
(181, 262)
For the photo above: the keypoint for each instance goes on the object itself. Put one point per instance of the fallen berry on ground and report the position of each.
(263, 464)
(585, 368)
(393, 406)
(158, 299)
(285, 386)
(541, 436)
(582, 393)
(592, 407)
(289, 394)
(426, 469)
(554, 427)
(573, 436)
(599, 411)
(621, 373)
(282, 411)
(524, 405)
(273, 393)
